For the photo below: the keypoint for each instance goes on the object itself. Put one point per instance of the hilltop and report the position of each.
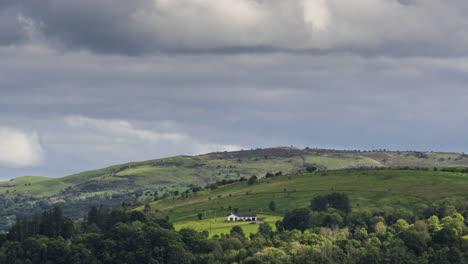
(203, 169)
(141, 182)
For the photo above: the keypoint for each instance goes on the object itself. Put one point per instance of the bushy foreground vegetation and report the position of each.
(327, 231)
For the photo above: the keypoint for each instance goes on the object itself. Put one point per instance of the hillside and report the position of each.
(406, 215)
(149, 180)
(203, 169)
(395, 191)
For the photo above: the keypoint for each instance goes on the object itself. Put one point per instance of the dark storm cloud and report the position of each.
(101, 26)
(12, 32)
(366, 27)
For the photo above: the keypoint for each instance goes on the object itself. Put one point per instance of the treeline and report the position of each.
(17, 206)
(328, 231)
(51, 224)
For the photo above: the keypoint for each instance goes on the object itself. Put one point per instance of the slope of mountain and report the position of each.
(393, 191)
(138, 181)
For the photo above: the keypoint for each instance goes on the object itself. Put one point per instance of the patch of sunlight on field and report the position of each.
(220, 225)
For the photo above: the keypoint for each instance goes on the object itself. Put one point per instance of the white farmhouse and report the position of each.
(242, 217)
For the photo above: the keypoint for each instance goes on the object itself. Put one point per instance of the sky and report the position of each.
(87, 84)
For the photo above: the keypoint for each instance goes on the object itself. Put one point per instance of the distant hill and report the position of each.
(139, 181)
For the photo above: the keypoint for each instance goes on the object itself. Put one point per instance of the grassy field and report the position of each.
(219, 225)
(369, 189)
(34, 185)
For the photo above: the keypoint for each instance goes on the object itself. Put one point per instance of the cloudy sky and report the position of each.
(86, 84)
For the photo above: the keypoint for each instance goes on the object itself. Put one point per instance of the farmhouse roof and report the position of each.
(246, 215)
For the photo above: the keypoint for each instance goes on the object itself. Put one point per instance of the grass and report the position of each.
(183, 170)
(371, 189)
(34, 186)
(342, 161)
(220, 225)
(179, 171)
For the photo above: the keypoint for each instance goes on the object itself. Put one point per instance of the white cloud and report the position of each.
(29, 26)
(19, 149)
(316, 14)
(198, 23)
(302, 24)
(126, 134)
(122, 127)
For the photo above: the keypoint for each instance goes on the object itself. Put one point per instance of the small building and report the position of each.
(242, 217)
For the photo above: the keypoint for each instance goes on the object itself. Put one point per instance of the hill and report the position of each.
(141, 182)
(405, 215)
(394, 191)
(203, 169)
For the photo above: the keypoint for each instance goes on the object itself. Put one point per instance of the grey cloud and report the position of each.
(251, 100)
(366, 27)
(11, 29)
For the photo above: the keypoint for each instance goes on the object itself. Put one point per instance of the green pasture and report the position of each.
(178, 172)
(33, 186)
(372, 189)
(220, 225)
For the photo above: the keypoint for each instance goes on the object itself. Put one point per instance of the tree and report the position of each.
(361, 234)
(196, 189)
(414, 241)
(252, 180)
(333, 219)
(311, 169)
(380, 227)
(312, 239)
(265, 230)
(446, 236)
(338, 201)
(279, 226)
(455, 222)
(3, 238)
(237, 230)
(270, 255)
(401, 225)
(319, 203)
(272, 206)
(147, 208)
(297, 219)
(433, 224)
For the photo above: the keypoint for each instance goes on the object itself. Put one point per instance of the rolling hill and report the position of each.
(405, 191)
(139, 181)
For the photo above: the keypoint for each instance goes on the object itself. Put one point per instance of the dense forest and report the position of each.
(328, 231)
(19, 205)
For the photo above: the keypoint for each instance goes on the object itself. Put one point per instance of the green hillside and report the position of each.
(142, 182)
(203, 169)
(389, 190)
